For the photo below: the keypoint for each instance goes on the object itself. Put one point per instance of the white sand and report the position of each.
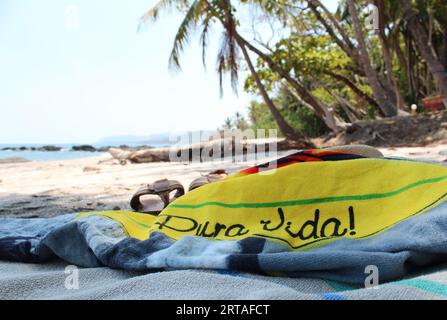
(50, 188)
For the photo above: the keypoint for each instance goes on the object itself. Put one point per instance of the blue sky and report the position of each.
(77, 71)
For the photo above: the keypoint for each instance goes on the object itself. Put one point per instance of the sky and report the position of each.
(77, 71)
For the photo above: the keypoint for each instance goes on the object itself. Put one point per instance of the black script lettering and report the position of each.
(266, 223)
(201, 231)
(171, 219)
(312, 224)
(309, 223)
(239, 230)
(219, 227)
(352, 221)
(335, 232)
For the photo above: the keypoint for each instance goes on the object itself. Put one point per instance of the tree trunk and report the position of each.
(330, 119)
(410, 70)
(285, 128)
(360, 93)
(229, 24)
(320, 110)
(347, 107)
(379, 93)
(387, 57)
(345, 44)
(349, 46)
(203, 151)
(444, 46)
(420, 36)
(403, 65)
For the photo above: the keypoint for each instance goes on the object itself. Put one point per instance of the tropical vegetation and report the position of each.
(321, 70)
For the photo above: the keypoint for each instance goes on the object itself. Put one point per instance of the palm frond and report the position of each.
(188, 24)
(153, 13)
(227, 60)
(268, 6)
(342, 12)
(204, 36)
(275, 9)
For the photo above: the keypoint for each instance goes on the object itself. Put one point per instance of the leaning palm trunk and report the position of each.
(321, 111)
(387, 57)
(285, 128)
(348, 82)
(444, 48)
(345, 43)
(392, 82)
(385, 98)
(436, 67)
(379, 93)
(330, 119)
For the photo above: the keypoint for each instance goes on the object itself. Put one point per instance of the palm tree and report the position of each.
(228, 124)
(203, 13)
(374, 80)
(240, 122)
(278, 10)
(385, 8)
(358, 52)
(435, 65)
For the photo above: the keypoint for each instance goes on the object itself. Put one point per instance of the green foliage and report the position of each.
(238, 121)
(317, 58)
(301, 118)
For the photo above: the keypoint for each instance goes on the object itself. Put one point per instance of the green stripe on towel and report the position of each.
(310, 201)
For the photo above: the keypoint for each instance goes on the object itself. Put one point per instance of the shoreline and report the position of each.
(436, 151)
(71, 148)
(15, 153)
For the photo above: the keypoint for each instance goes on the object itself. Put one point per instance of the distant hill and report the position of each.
(158, 139)
(131, 140)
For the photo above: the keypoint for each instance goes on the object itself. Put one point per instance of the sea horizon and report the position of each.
(66, 152)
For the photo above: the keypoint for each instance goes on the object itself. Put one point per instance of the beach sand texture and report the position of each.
(49, 188)
(44, 189)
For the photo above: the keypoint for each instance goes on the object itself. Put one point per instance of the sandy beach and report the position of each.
(49, 188)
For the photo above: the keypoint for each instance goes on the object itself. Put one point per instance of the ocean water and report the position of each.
(45, 156)
(64, 154)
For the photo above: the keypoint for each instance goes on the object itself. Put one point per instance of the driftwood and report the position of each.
(202, 152)
(121, 155)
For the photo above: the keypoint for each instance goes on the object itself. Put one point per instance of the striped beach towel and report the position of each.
(320, 214)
